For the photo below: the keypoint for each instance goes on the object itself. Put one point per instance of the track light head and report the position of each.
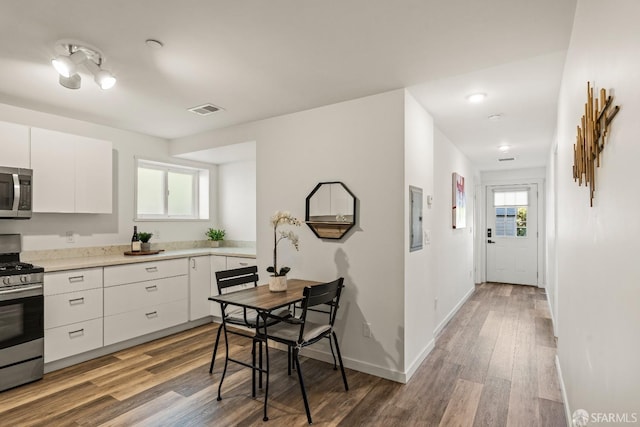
(67, 66)
(105, 79)
(71, 82)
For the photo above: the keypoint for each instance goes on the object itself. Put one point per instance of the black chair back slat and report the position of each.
(237, 276)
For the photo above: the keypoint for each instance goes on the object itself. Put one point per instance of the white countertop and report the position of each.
(107, 260)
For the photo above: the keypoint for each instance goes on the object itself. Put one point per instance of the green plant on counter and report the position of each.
(144, 237)
(215, 234)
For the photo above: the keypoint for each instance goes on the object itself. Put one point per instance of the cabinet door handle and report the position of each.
(151, 288)
(151, 315)
(76, 334)
(76, 301)
(193, 264)
(244, 264)
(151, 269)
(75, 279)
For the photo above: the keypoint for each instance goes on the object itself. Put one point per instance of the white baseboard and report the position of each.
(553, 319)
(357, 365)
(452, 313)
(418, 360)
(567, 410)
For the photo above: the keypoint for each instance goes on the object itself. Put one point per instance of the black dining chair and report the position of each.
(299, 332)
(235, 280)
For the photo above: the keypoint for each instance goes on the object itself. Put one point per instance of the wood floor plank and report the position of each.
(492, 365)
(551, 413)
(548, 384)
(463, 404)
(501, 364)
(144, 411)
(493, 407)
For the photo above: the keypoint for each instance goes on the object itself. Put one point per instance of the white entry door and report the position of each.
(512, 234)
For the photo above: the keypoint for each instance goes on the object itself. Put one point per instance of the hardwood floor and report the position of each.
(493, 365)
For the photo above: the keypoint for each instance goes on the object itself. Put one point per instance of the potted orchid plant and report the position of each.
(278, 280)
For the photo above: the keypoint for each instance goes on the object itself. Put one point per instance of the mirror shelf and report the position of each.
(330, 210)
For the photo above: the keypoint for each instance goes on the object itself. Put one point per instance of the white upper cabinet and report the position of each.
(71, 173)
(14, 145)
(93, 176)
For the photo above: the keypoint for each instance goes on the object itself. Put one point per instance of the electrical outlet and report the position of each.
(366, 329)
(71, 238)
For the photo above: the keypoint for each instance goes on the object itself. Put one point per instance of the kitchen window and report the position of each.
(167, 191)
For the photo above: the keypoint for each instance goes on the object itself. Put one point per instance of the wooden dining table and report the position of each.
(264, 302)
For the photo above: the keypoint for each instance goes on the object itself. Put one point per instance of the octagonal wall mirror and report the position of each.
(331, 210)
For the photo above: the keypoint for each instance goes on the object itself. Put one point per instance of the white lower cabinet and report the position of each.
(199, 287)
(134, 306)
(131, 324)
(238, 262)
(68, 340)
(72, 312)
(95, 307)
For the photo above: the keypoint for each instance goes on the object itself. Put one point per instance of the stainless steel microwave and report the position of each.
(15, 192)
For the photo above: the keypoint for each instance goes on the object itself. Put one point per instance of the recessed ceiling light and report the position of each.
(504, 148)
(154, 44)
(476, 98)
(495, 117)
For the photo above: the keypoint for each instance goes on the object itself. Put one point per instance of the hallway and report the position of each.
(493, 365)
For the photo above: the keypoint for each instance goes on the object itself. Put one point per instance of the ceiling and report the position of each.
(258, 59)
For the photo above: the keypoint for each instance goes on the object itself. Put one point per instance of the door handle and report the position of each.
(490, 241)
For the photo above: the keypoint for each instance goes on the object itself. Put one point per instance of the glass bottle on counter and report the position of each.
(135, 240)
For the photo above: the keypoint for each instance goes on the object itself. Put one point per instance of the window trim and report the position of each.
(200, 191)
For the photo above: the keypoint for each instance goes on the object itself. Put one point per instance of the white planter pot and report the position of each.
(214, 243)
(278, 283)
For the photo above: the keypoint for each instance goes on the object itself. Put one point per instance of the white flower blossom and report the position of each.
(281, 218)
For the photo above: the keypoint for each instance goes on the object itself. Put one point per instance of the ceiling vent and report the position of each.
(506, 159)
(205, 110)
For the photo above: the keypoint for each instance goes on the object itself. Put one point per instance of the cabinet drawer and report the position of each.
(73, 307)
(68, 340)
(72, 281)
(121, 274)
(124, 326)
(238, 262)
(134, 296)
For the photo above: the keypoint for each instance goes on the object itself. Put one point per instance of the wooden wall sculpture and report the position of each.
(592, 133)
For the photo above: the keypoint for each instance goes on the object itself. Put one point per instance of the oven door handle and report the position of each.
(21, 292)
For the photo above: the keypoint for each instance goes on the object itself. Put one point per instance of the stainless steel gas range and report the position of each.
(21, 316)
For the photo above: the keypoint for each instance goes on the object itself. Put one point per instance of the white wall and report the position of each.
(454, 257)
(361, 143)
(419, 283)
(237, 200)
(597, 247)
(550, 220)
(47, 231)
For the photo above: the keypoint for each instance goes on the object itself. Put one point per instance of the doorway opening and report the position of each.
(512, 234)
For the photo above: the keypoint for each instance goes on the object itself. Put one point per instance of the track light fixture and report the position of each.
(67, 66)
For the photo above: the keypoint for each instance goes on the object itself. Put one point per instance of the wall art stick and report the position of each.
(591, 138)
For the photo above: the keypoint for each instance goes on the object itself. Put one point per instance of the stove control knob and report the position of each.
(6, 281)
(23, 279)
